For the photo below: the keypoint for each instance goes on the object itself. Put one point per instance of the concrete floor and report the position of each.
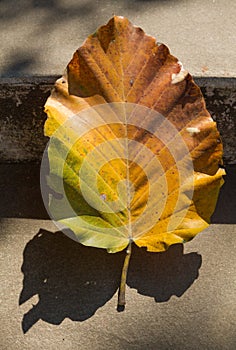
(39, 37)
(58, 294)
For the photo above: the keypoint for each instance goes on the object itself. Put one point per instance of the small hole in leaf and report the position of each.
(103, 196)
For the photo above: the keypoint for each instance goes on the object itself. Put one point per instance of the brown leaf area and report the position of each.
(120, 63)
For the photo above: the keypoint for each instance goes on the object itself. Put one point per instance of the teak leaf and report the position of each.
(133, 152)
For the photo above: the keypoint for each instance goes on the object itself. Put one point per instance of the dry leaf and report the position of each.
(133, 150)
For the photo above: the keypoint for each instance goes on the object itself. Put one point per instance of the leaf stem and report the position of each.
(121, 295)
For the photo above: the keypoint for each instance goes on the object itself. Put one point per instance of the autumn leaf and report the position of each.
(133, 152)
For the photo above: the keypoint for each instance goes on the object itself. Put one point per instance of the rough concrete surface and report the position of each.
(22, 117)
(58, 294)
(39, 37)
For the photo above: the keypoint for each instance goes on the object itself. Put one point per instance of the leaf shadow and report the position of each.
(162, 275)
(19, 64)
(73, 281)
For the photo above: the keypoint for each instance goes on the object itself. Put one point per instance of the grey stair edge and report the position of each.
(22, 117)
(50, 79)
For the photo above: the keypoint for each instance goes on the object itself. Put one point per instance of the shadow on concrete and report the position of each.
(21, 196)
(49, 15)
(162, 275)
(73, 281)
(20, 191)
(225, 212)
(55, 12)
(19, 63)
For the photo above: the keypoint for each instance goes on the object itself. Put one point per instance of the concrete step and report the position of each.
(21, 195)
(22, 118)
(58, 294)
(39, 37)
